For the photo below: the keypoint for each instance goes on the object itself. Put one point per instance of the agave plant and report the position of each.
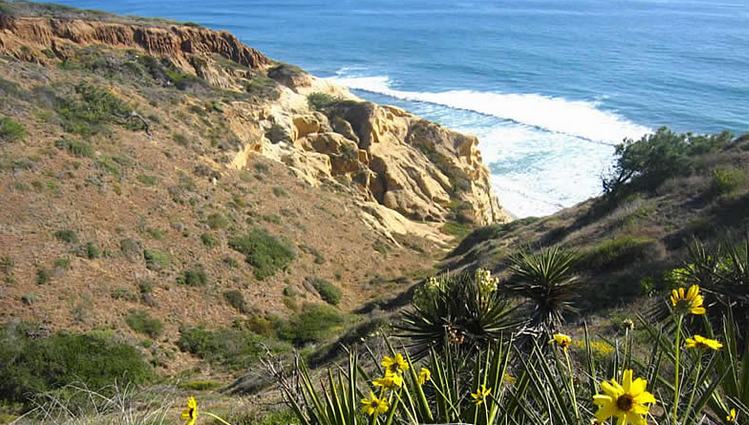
(547, 279)
(465, 310)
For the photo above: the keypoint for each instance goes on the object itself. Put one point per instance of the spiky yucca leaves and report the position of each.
(733, 364)
(724, 272)
(457, 310)
(547, 279)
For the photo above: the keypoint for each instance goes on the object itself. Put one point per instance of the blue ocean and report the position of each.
(549, 86)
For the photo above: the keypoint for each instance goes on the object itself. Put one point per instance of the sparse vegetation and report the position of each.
(321, 101)
(156, 260)
(233, 348)
(314, 323)
(68, 236)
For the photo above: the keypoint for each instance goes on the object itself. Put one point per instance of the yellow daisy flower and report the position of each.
(480, 395)
(701, 342)
(190, 414)
(395, 364)
(509, 379)
(424, 376)
(731, 418)
(688, 300)
(628, 402)
(561, 340)
(389, 381)
(374, 406)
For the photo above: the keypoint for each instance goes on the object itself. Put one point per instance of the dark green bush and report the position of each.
(330, 293)
(11, 130)
(233, 348)
(31, 365)
(195, 276)
(142, 322)
(314, 323)
(92, 251)
(264, 252)
(646, 163)
(236, 300)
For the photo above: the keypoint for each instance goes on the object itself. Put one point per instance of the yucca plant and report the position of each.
(548, 281)
(464, 310)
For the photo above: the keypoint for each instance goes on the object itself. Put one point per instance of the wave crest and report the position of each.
(554, 114)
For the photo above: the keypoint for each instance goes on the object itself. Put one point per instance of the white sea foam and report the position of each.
(581, 119)
(539, 149)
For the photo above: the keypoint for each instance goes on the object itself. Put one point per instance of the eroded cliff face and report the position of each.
(405, 173)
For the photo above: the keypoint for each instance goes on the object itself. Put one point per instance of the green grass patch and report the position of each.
(156, 260)
(11, 130)
(208, 240)
(321, 101)
(235, 299)
(68, 236)
(264, 252)
(75, 147)
(617, 252)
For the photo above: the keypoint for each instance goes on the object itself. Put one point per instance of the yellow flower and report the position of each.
(701, 342)
(628, 402)
(731, 418)
(389, 381)
(424, 376)
(190, 414)
(374, 406)
(688, 301)
(480, 395)
(395, 364)
(561, 340)
(509, 379)
(628, 324)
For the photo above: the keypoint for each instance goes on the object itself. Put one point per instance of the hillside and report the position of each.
(665, 191)
(160, 178)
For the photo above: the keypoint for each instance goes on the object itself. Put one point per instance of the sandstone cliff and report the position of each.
(390, 160)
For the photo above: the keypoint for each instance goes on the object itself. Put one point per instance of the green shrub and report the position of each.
(156, 260)
(236, 300)
(194, 276)
(155, 233)
(68, 236)
(233, 348)
(142, 322)
(91, 251)
(123, 294)
(75, 147)
(330, 293)
(727, 180)
(646, 163)
(320, 101)
(314, 323)
(91, 109)
(199, 385)
(264, 252)
(43, 275)
(33, 365)
(11, 130)
(263, 87)
(618, 252)
(217, 221)
(208, 240)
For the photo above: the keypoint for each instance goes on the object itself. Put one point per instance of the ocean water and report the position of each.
(549, 86)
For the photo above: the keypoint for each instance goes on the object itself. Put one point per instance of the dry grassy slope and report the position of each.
(624, 242)
(160, 191)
